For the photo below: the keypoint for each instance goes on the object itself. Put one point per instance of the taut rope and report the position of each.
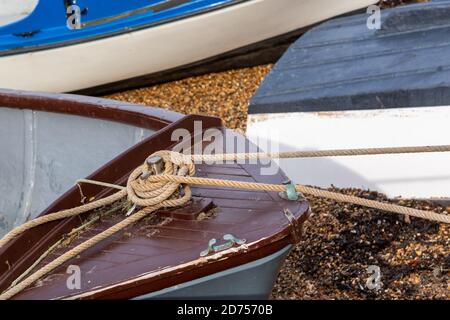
(320, 153)
(158, 191)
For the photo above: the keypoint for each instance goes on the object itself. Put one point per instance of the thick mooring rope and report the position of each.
(320, 153)
(429, 215)
(158, 191)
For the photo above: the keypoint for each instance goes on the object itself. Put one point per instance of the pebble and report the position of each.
(225, 95)
(407, 265)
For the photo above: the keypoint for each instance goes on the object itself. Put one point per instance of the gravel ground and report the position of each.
(341, 241)
(224, 95)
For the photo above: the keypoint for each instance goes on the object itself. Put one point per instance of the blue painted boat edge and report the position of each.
(38, 39)
(253, 280)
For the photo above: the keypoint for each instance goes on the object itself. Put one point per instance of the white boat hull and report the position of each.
(13, 10)
(159, 48)
(409, 175)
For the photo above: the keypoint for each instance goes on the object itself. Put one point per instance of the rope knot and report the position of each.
(145, 192)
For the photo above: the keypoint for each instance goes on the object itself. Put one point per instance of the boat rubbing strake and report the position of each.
(61, 138)
(343, 85)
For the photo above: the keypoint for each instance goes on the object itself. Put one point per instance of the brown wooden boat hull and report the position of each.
(154, 257)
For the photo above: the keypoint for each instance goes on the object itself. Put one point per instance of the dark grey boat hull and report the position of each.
(252, 280)
(344, 65)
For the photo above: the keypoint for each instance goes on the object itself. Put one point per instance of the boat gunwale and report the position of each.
(232, 258)
(147, 117)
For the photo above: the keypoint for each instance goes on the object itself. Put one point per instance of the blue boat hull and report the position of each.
(53, 23)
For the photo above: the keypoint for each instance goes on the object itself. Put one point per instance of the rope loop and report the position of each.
(145, 192)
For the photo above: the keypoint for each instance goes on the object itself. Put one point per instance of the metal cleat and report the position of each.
(231, 242)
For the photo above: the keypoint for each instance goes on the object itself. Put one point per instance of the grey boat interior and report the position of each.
(44, 153)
